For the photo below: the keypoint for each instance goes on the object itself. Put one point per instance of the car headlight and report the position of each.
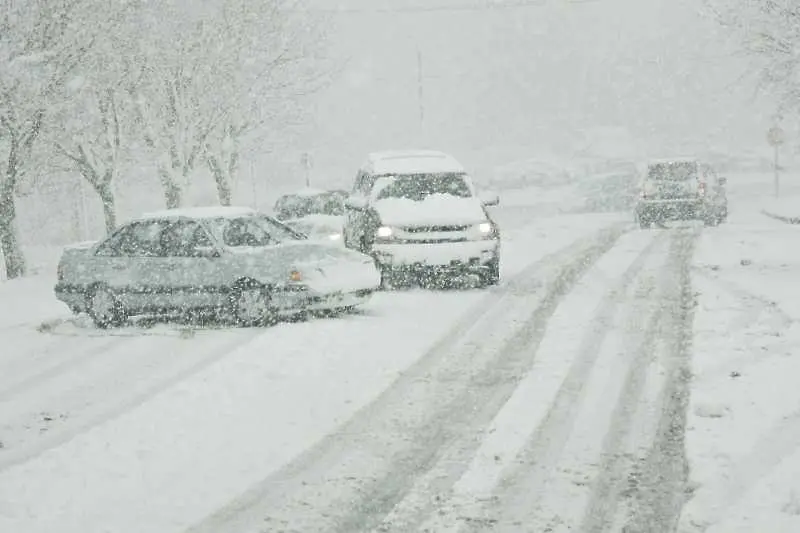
(335, 236)
(384, 232)
(485, 230)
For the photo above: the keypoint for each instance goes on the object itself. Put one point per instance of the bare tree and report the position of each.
(769, 34)
(95, 152)
(40, 45)
(229, 72)
(91, 134)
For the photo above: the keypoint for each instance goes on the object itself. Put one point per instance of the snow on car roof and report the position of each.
(668, 160)
(215, 211)
(411, 162)
(308, 191)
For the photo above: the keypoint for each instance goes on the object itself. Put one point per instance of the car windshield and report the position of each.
(297, 206)
(678, 171)
(250, 231)
(419, 186)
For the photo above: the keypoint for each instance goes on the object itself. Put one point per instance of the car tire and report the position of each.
(250, 305)
(104, 308)
(491, 276)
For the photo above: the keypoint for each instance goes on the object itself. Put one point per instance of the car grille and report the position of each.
(434, 229)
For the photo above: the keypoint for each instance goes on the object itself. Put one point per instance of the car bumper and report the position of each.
(72, 295)
(671, 209)
(464, 256)
(295, 301)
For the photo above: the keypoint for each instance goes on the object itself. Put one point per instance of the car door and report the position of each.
(191, 267)
(124, 263)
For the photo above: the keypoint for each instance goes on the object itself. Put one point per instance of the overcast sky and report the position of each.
(500, 84)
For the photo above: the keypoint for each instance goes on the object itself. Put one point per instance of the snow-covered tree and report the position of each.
(212, 81)
(769, 33)
(93, 133)
(41, 43)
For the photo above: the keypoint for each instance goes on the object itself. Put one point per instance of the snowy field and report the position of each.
(616, 378)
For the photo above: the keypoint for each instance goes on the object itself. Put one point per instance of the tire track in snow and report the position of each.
(535, 485)
(571, 403)
(67, 358)
(353, 478)
(125, 398)
(445, 493)
(662, 489)
(664, 347)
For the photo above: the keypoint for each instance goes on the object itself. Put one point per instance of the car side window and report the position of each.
(182, 239)
(111, 246)
(139, 239)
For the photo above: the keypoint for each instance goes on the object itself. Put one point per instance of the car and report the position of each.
(230, 259)
(681, 189)
(316, 213)
(320, 228)
(418, 214)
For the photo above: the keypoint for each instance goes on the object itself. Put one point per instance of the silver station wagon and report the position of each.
(229, 259)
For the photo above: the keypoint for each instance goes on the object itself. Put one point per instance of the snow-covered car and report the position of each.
(418, 214)
(316, 213)
(228, 259)
(681, 189)
(321, 228)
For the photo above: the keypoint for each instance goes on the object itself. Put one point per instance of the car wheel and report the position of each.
(251, 306)
(491, 276)
(105, 308)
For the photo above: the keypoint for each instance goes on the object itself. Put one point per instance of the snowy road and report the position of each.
(512, 408)
(109, 429)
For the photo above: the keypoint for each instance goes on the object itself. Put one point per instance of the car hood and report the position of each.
(437, 209)
(301, 252)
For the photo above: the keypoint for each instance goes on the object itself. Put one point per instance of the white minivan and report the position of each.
(418, 215)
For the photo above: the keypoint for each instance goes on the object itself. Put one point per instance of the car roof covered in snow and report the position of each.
(307, 191)
(410, 162)
(200, 212)
(672, 160)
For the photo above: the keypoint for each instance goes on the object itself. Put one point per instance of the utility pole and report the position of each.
(420, 83)
(253, 184)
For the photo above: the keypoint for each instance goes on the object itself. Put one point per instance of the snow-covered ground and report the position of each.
(743, 435)
(785, 208)
(153, 428)
(557, 401)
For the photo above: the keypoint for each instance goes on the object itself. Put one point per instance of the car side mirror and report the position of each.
(489, 199)
(355, 202)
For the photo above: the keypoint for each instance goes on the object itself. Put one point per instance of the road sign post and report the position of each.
(307, 162)
(776, 137)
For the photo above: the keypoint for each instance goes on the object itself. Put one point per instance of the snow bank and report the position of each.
(743, 431)
(786, 209)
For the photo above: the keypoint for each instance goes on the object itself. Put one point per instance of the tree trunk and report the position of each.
(12, 254)
(222, 181)
(109, 207)
(173, 196)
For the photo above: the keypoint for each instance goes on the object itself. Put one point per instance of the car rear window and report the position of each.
(677, 171)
